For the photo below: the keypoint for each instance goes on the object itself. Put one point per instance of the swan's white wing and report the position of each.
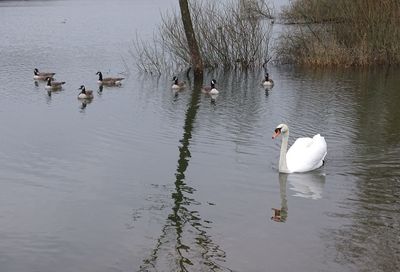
(306, 154)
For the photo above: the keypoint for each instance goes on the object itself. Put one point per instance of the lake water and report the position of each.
(143, 179)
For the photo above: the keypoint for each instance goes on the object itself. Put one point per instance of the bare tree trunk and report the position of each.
(197, 61)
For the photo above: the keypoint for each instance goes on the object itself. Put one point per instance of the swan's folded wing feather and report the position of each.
(306, 154)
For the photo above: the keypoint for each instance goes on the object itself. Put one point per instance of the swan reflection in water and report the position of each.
(280, 214)
(307, 185)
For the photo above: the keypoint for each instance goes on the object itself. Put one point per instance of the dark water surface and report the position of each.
(142, 179)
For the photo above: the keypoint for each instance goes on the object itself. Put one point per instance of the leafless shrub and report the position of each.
(233, 34)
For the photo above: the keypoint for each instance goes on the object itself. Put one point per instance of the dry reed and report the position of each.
(342, 33)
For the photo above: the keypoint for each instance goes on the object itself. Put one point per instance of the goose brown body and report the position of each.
(267, 82)
(53, 85)
(42, 75)
(85, 94)
(109, 80)
(177, 85)
(210, 89)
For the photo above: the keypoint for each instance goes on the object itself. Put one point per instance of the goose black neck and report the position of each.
(100, 76)
(176, 82)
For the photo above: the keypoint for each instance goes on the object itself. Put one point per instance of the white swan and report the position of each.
(306, 154)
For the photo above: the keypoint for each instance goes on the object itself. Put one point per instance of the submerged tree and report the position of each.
(230, 34)
(197, 62)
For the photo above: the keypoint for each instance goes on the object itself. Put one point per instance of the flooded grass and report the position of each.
(341, 33)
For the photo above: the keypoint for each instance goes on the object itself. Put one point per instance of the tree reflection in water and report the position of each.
(173, 248)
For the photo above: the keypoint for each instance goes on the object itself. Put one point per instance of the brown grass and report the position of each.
(342, 33)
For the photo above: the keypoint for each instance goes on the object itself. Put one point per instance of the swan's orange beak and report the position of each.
(276, 133)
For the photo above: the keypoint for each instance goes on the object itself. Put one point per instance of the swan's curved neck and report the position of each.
(282, 159)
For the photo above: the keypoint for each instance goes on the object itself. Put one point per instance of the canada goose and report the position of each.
(267, 82)
(41, 76)
(85, 94)
(177, 85)
(109, 80)
(211, 89)
(53, 85)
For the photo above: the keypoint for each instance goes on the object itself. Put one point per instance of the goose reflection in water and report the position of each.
(213, 98)
(307, 185)
(84, 103)
(100, 90)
